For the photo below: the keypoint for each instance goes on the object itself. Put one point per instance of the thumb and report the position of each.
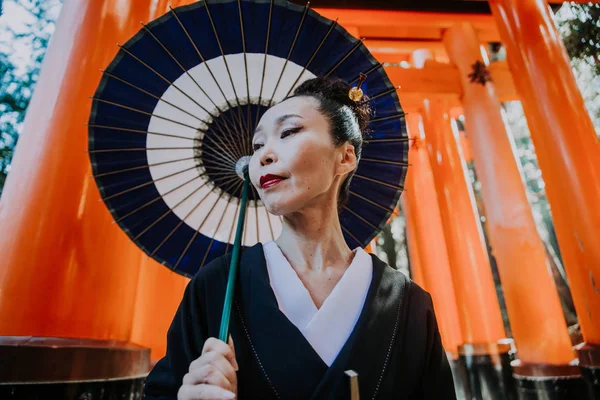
(231, 345)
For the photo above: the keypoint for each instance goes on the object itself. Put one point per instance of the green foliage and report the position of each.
(581, 33)
(21, 53)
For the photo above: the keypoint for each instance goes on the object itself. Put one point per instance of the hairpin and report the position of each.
(356, 93)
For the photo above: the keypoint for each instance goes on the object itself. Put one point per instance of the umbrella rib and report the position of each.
(376, 160)
(239, 125)
(156, 199)
(139, 131)
(397, 115)
(187, 247)
(404, 139)
(169, 210)
(333, 25)
(145, 113)
(226, 66)
(181, 222)
(148, 183)
(140, 149)
(390, 210)
(141, 167)
(352, 236)
(380, 94)
(225, 149)
(361, 218)
(217, 158)
(352, 50)
(379, 182)
(264, 71)
(249, 120)
(289, 53)
(164, 79)
(183, 69)
(153, 96)
(212, 238)
(367, 73)
(217, 167)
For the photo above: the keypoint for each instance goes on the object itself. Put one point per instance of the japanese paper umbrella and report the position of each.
(172, 120)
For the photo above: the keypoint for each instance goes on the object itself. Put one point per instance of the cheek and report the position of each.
(253, 171)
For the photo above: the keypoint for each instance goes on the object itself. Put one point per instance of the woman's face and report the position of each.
(295, 162)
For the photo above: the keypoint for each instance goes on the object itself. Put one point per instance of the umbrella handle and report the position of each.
(235, 261)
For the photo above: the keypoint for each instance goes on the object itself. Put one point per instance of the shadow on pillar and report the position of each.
(72, 369)
(487, 369)
(589, 364)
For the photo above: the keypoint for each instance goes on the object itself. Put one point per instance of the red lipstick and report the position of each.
(269, 180)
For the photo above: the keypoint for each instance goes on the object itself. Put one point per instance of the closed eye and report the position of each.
(256, 146)
(291, 131)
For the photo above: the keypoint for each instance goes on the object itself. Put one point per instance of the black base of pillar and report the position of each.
(487, 369)
(460, 378)
(131, 389)
(71, 369)
(589, 364)
(549, 382)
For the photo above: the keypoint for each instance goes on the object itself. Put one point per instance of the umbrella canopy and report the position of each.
(175, 111)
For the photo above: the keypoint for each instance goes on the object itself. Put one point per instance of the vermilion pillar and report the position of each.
(568, 152)
(487, 361)
(428, 236)
(416, 267)
(534, 309)
(66, 270)
(159, 292)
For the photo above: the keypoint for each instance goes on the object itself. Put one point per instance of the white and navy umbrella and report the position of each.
(175, 111)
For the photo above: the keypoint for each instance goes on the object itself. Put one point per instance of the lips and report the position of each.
(269, 180)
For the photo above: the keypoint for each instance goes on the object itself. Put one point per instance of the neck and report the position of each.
(312, 238)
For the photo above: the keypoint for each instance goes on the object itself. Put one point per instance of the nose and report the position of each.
(268, 156)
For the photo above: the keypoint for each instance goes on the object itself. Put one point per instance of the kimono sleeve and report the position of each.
(185, 340)
(436, 381)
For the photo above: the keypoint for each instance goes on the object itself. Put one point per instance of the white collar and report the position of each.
(326, 329)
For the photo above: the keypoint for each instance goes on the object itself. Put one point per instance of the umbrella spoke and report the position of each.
(145, 113)
(287, 59)
(148, 183)
(125, 149)
(212, 238)
(183, 253)
(389, 210)
(239, 125)
(153, 95)
(141, 167)
(381, 94)
(397, 115)
(376, 160)
(361, 218)
(376, 66)
(157, 198)
(314, 54)
(351, 235)
(264, 69)
(348, 54)
(403, 139)
(380, 182)
(139, 131)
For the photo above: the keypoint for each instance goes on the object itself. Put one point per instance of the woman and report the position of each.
(308, 308)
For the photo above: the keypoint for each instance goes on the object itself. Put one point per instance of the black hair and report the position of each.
(348, 119)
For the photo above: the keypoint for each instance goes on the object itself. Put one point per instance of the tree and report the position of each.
(21, 55)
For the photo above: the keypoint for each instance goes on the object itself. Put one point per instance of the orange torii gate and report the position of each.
(68, 272)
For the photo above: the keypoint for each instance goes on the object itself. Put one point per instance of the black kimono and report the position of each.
(395, 346)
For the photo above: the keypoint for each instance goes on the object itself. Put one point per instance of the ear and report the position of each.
(346, 159)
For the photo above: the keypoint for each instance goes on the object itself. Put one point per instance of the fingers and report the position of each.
(204, 391)
(216, 345)
(211, 375)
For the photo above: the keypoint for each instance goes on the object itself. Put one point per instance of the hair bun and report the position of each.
(335, 89)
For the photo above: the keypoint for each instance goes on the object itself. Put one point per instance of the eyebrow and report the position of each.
(279, 121)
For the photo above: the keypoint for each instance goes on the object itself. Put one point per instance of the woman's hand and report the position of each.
(213, 374)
